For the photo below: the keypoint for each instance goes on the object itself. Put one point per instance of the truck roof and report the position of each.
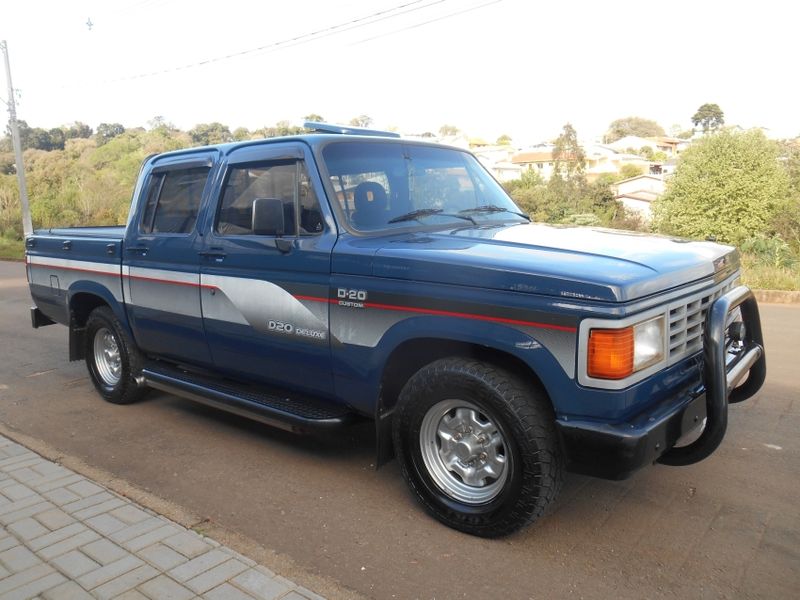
(313, 138)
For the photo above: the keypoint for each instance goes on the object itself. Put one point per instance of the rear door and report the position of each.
(265, 298)
(161, 270)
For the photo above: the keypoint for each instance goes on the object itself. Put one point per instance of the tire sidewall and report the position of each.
(103, 319)
(480, 519)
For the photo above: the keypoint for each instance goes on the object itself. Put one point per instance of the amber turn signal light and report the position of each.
(610, 353)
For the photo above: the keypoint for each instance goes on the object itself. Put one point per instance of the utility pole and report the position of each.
(27, 225)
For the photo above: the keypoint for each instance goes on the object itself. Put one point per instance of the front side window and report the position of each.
(286, 181)
(173, 200)
(379, 185)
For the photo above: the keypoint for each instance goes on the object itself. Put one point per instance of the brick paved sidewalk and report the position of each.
(64, 537)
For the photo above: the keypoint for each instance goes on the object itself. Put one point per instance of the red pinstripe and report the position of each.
(375, 305)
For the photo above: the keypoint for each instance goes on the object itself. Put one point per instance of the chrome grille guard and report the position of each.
(722, 380)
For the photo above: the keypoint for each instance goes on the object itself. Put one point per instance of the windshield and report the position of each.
(383, 185)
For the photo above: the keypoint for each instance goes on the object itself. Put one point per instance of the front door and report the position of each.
(265, 297)
(161, 268)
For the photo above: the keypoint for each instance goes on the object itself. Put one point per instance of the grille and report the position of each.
(687, 319)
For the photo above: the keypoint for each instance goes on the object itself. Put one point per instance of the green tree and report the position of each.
(280, 129)
(728, 185)
(790, 156)
(57, 139)
(569, 159)
(107, 132)
(646, 152)
(77, 130)
(637, 126)
(504, 140)
(161, 125)
(567, 184)
(361, 121)
(316, 118)
(709, 117)
(204, 134)
(628, 170)
(448, 130)
(241, 134)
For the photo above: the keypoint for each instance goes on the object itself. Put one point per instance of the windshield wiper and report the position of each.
(415, 215)
(492, 208)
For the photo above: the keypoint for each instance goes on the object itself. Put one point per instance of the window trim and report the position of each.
(150, 185)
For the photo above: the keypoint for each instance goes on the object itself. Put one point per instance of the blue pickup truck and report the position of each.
(311, 281)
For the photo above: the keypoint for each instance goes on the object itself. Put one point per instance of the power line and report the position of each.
(428, 22)
(305, 38)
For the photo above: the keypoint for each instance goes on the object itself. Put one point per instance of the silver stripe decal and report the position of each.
(78, 265)
(63, 273)
(256, 302)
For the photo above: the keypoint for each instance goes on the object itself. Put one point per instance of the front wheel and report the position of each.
(477, 445)
(112, 358)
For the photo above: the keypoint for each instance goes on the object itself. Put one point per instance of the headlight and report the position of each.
(618, 353)
(648, 343)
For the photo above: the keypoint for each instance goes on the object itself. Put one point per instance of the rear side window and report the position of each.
(173, 200)
(285, 180)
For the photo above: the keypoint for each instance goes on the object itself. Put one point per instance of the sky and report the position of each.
(488, 67)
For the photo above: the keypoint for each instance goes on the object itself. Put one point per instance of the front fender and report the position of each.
(550, 354)
(531, 347)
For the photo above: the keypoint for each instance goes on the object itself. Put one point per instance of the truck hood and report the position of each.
(570, 262)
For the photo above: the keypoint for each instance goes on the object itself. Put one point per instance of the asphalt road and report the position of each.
(728, 527)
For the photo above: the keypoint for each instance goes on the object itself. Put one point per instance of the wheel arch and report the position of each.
(413, 354)
(84, 297)
(430, 339)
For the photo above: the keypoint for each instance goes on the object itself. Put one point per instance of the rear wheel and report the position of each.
(477, 446)
(112, 358)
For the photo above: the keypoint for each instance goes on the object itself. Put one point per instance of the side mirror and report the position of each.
(268, 217)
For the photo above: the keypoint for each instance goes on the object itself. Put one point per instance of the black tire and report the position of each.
(519, 412)
(118, 387)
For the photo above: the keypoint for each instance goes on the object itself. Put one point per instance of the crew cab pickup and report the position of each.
(313, 280)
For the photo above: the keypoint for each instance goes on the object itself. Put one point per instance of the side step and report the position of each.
(296, 413)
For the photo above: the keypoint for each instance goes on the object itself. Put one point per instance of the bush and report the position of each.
(727, 185)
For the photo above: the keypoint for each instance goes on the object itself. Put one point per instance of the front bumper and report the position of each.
(615, 451)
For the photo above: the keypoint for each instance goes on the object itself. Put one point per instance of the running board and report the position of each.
(296, 414)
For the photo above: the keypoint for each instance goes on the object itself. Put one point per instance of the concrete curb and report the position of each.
(777, 296)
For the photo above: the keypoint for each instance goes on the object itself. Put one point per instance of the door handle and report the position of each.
(137, 250)
(67, 245)
(217, 254)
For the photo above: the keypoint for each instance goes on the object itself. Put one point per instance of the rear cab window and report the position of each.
(173, 200)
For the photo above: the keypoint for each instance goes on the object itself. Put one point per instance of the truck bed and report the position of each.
(59, 261)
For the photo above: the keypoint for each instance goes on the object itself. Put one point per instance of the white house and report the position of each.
(538, 158)
(637, 193)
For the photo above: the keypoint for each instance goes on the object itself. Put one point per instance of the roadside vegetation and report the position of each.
(737, 188)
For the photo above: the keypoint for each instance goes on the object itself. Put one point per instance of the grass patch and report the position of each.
(759, 275)
(11, 248)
